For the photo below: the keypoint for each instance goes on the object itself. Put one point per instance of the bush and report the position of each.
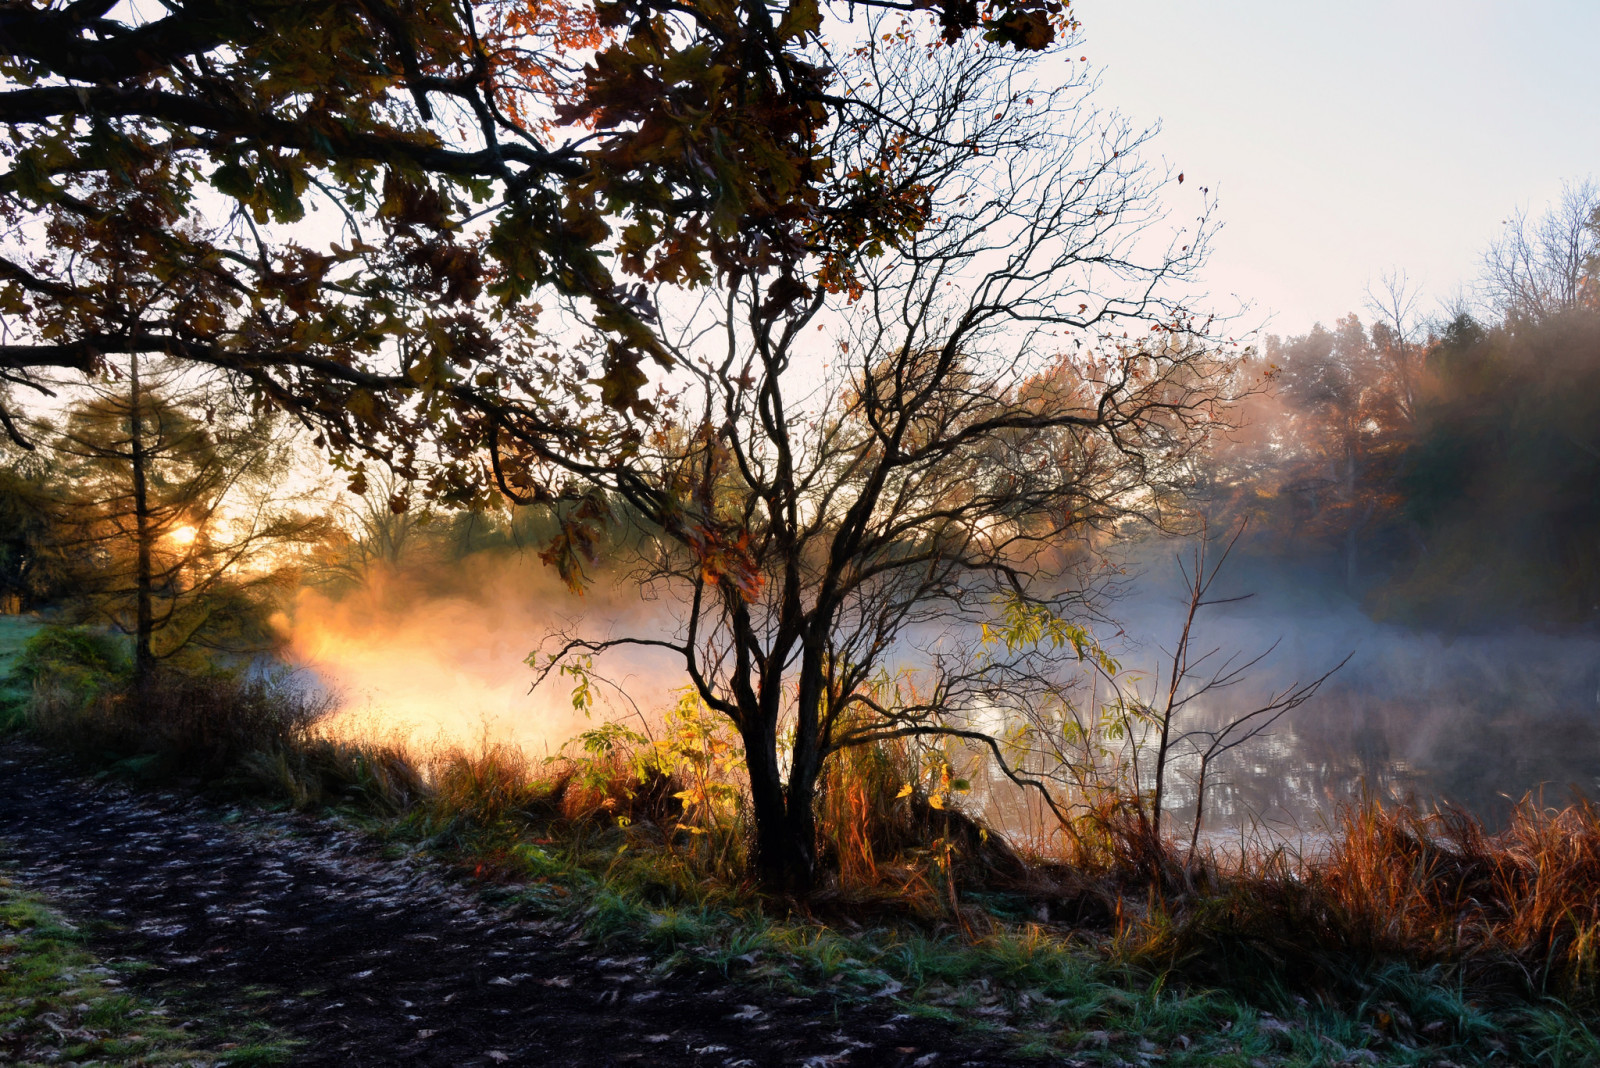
(82, 659)
(195, 726)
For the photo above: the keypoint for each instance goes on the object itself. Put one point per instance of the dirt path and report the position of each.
(375, 962)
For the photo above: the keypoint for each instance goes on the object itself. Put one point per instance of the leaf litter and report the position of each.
(363, 959)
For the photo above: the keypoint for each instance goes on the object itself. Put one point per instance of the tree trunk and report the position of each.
(1159, 796)
(800, 832)
(144, 537)
(1199, 806)
(804, 768)
(767, 800)
(785, 831)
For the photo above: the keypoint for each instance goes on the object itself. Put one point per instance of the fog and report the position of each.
(1416, 715)
(1419, 500)
(437, 653)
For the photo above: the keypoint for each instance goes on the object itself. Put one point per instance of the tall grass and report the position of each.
(891, 833)
(1510, 914)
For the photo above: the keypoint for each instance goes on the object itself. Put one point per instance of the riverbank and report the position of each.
(362, 943)
(288, 871)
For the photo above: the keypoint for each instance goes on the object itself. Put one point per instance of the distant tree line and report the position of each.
(1445, 472)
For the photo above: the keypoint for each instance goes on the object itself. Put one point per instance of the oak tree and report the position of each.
(379, 194)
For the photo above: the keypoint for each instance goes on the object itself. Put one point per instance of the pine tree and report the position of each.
(173, 503)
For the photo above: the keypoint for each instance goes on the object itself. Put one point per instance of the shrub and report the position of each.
(203, 726)
(888, 820)
(82, 660)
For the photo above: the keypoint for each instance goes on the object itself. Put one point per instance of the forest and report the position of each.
(584, 533)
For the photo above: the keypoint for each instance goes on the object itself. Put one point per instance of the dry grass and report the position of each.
(314, 771)
(1515, 913)
(490, 785)
(893, 841)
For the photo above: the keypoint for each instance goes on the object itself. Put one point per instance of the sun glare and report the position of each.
(183, 535)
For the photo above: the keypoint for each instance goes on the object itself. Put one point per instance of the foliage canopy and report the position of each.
(353, 204)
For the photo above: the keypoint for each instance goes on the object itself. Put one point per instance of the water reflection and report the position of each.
(1478, 721)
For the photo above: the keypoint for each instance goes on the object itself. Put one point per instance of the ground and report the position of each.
(356, 959)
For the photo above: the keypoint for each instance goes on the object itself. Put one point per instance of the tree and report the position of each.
(841, 522)
(1501, 475)
(1537, 269)
(382, 528)
(1400, 337)
(1346, 408)
(1194, 674)
(33, 567)
(479, 157)
(174, 507)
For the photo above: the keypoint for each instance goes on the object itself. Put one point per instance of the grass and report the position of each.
(59, 1004)
(15, 694)
(1416, 940)
(1509, 916)
(1087, 994)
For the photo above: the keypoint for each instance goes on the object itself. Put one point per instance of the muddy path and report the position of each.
(367, 961)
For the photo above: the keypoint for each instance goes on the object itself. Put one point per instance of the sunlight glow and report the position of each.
(183, 535)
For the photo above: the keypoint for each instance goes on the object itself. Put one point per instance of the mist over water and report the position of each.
(437, 654)
(1425, 716)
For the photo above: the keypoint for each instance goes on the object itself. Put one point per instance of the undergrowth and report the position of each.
(1100, 996)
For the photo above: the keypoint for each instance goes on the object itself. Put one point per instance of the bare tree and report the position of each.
(864, 481)
(1538, 268)
(1400, 336)
(1126, 739)
(384, 523)
(1193, 676)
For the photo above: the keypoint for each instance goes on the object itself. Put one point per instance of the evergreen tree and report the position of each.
(174, 505)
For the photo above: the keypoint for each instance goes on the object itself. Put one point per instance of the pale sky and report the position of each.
(1347, 139)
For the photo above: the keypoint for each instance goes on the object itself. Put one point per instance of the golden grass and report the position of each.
(1515, 912)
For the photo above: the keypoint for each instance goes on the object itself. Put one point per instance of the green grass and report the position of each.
(14, 696)
(60, 1004)
(1050, 991)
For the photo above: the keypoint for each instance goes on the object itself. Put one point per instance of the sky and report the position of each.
(1346, 140)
